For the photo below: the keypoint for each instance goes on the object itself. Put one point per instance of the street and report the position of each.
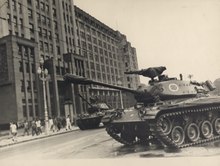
(94, 144)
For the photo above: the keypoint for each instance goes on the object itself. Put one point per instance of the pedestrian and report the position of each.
(13, 129)
(55, 128)
(59, 123)
(51, 124)
(26, 127)
(38, 125)
(68, 123)
(33, 127)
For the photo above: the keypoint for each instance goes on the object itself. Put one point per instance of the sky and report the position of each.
(183, 35)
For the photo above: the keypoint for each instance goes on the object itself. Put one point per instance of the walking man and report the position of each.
(26, 127)
(68, 123)
(13, 129)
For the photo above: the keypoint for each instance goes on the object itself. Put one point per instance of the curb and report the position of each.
(37, 138)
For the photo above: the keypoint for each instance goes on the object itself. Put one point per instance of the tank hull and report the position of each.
(89, 122)
(178, 125)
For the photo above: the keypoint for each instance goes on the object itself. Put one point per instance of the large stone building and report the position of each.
(71, 41)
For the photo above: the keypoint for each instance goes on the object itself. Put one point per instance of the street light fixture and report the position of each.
(43, 74)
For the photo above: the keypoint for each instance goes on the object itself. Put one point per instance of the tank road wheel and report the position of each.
(166, 126)
(206, 129)
(216, 126)
(192, 132)
(178, 135)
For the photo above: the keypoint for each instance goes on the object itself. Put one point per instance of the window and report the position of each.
(58, 50)
(30, 110)
(90, 46)
(43, 19)
(14, 5)
(37, 3)
(95, 49)
(21, 22)
(94, 40)
(45, 33)
(48, 21)
(21, 66)
(54, 12)
(46, 47)
(30, 13)
(31, 27)
(41, 46)
(51, 48)
(9, 18)
(19, 7)
(40, 31)
(49, 34)
(19, 49)
(29, 2)
(57, 37)
(27, 68)
(42, 6)
(55, 25)
(89, 37)
(24, 111)
(82, 34)
(38, 16)
(47, 8)
(15, 21)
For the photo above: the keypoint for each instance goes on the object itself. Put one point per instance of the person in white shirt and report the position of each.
(68, 123)
(38, 125)
(13, 129)
(51, 124)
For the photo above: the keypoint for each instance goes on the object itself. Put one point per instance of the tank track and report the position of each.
(114, 135)
(165, 139)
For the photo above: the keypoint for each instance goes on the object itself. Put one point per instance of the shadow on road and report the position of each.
(124, 150)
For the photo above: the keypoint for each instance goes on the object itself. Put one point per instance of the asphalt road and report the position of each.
(95, 144)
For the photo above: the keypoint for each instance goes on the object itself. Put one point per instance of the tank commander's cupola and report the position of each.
(150, 72)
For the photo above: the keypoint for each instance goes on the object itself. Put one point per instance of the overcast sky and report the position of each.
(183, 35)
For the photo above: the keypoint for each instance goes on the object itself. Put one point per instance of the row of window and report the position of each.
(28, 68)
(100, 43)
(96, 33)
(103, 69)
(27, 50)
(96, 41)
(14, 5)
(30, 108)
(107, 78)
(28, 86)
(66, 7)
(87, 25)
(29, 100)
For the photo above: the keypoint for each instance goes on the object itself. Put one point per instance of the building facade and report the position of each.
(71, 41)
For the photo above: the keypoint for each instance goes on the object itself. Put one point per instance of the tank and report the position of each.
(170, 111)
(95, 112)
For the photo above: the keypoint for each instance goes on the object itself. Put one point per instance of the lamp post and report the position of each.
(120, 94)
(43, 73)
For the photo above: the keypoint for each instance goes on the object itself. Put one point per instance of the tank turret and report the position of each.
(163, 88)
(172, 112)
(150, 72)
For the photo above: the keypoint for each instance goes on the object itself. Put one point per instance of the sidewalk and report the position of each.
(6, 140)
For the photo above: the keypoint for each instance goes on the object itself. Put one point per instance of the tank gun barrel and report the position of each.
(139, 72)
(84, 81)
(85, 100)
